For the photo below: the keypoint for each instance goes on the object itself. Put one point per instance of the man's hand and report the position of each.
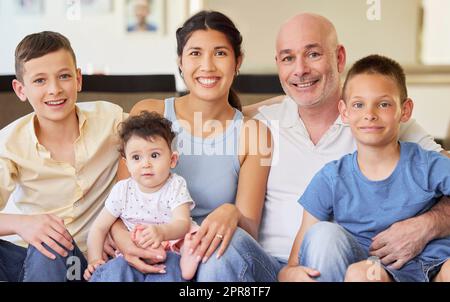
(401, 242)
(49, 229)
(297, 274)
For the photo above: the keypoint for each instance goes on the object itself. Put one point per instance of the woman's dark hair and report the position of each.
(205, 20)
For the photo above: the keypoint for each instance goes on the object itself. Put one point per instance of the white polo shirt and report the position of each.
(296, 160)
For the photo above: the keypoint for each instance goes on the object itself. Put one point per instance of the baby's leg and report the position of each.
(188, 263)
(444, 273)
(367, 271)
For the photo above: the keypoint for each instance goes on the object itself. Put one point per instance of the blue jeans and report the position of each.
(118, 270)
(29, 265)
(330, 249)
(244, 260)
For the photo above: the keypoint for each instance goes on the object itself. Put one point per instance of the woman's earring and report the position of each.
(181, 74)
(237, 72)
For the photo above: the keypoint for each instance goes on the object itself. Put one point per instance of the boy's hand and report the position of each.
(92, 266)
(48, 229)
(297, 274)
(148, 236)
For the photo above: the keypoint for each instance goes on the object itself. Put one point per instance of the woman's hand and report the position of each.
(109, 248)
(135, 256)
(217, 229)
(146, 236)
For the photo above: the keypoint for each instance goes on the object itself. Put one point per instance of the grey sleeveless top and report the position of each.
(210, 166)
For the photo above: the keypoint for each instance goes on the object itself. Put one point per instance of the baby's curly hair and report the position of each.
(146, 125)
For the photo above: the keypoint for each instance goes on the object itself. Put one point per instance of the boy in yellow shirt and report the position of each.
(60, 161)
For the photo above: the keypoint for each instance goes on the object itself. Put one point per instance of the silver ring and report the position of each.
(219, 236)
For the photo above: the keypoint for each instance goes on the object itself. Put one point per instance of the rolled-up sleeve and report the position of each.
(8, 173)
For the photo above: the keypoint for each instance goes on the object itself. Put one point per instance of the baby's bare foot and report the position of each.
(188, 262)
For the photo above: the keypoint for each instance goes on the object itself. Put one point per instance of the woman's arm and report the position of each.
(292, 271)
(253, 175)
(133, 254)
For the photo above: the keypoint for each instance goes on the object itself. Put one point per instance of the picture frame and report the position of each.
(90, 7)
(145, 16)
(29, 7)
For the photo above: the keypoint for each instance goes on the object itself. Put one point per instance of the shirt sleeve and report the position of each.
(8, 174)
(413, 132)
(439, 173)
(318, 197)
(115, 203)
(180, 193)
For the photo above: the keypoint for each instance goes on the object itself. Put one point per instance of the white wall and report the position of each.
(432, 108)
(100, 41)
(394, 35)
(436, 44)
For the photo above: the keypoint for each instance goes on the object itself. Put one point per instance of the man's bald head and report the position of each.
(307, 24)
(309, 60)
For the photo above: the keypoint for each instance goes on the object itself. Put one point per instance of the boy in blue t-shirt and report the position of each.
(383, 182)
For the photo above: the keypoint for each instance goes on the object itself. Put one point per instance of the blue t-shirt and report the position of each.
(365, 208)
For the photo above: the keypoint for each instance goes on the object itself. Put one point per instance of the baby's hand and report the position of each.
(148, 236)
(136, 233)
(92, 266)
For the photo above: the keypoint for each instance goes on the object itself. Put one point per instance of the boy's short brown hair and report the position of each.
(146, 125)
(37, 45)
(376, 64)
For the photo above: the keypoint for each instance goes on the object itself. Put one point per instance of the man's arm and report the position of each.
(439, 219)
(406, 239)
(252, 110)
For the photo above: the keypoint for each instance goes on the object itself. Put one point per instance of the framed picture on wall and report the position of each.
(90, 7)
(145, 16)
(29, 7)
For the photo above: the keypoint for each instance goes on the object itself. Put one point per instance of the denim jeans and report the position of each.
(244, 260)
(330, 249)
(29, 265)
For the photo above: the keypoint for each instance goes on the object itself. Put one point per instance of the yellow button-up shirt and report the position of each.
(45, 186)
